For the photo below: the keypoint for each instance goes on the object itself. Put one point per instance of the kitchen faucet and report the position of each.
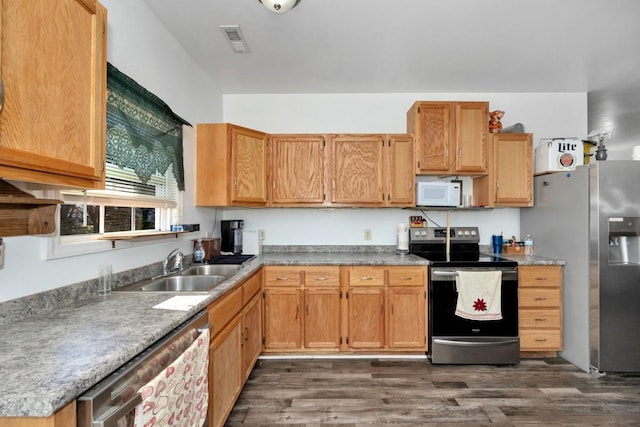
(178, 258)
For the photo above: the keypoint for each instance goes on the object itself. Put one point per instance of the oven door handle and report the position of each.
(111, 417)
(444, 273)
(471, 343)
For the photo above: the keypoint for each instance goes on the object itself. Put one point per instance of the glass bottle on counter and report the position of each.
(198, 253)
(528, 245)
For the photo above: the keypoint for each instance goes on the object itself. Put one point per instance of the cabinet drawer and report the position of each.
(251, 287)
(533, 340)
(322, 276)
(549, 276)
(225, 309)
(366, 276)
(283, 276)
(407, 276)
(539, 297)
(540, 319)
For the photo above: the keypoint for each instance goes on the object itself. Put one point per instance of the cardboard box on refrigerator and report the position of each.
(558, 154)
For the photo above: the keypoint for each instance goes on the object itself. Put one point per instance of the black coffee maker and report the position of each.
(231, 236)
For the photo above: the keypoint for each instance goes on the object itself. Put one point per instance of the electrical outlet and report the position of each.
(260, 234)
(367, 234)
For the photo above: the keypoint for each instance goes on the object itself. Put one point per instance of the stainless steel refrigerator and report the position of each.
(590, 217)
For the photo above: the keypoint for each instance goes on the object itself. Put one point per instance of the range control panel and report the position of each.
(439, 234)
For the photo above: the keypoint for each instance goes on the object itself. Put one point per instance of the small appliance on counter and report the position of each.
(231, 236)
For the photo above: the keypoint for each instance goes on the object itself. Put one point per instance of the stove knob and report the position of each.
(473, 232)
(424, 233)
(466, 232)
(459, 232)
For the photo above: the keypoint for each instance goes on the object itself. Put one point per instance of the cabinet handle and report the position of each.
(540, 319)
(541, 339)
(381, 309)
(460, 153)
(321, 279)
(540, 278)
(241, 338)
(540, 299)
(307, 309)
(297, 311)
(1, 93)
(282, 278)
(366, 278)
(406, 278)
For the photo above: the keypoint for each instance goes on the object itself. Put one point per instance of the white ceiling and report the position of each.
(375, 46)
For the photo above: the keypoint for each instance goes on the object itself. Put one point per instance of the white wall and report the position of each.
(140, 47)
(546, 115)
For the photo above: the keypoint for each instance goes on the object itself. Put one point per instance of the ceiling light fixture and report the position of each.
(279, 6)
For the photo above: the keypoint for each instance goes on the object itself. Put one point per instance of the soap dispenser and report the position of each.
(198, 253)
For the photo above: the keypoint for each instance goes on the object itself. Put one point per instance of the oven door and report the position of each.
(454, 339)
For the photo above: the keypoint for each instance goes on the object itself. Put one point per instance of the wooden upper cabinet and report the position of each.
(53, 70)
(401, 175)
(297, 175)
(356, 164)
(231, 166)
(450, 137)
(509, 182)
(472, 126)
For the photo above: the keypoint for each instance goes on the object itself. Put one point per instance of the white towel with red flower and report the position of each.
(178, 396)
(479, 295)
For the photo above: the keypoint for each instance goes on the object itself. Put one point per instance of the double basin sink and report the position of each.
(193, 279)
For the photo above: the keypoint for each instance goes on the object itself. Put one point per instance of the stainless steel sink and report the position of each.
(175, 284)
(211, 270)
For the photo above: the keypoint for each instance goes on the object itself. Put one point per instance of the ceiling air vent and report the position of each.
(234, 36)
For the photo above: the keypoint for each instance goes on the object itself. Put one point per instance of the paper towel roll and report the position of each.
(636, 153)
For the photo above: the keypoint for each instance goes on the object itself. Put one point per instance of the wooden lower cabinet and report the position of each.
(302, 308)
(225, 369)
(407, 314)
(540, 308)
(322, 318)
(236, 343)
(387, 308)
(282, 323)
(383, 308)
(251, 334)
(64, 417)
(366, 318)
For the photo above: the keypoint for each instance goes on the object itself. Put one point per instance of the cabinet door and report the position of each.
(401, 175)
(283, 327)
(225, 371)
(54, 76)
(297, 170)
(366, 317)
(407, 314)
(251, 334)
(249, 163)
(432, 123)
(322, 318)
(513, 165)
(471, 123)
(357, 163)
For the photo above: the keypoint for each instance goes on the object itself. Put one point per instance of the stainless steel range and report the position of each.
(487, 335)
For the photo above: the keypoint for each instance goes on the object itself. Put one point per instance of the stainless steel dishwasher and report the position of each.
(112, 402)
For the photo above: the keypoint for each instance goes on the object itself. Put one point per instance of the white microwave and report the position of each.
(438, 193)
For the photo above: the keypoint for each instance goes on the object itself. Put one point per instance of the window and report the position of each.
(144, 173)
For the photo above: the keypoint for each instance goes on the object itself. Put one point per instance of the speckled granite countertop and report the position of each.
(49, 359)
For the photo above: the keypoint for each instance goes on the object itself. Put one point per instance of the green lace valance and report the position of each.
(142, 132)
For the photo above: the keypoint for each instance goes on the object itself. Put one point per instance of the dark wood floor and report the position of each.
(352, 392)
